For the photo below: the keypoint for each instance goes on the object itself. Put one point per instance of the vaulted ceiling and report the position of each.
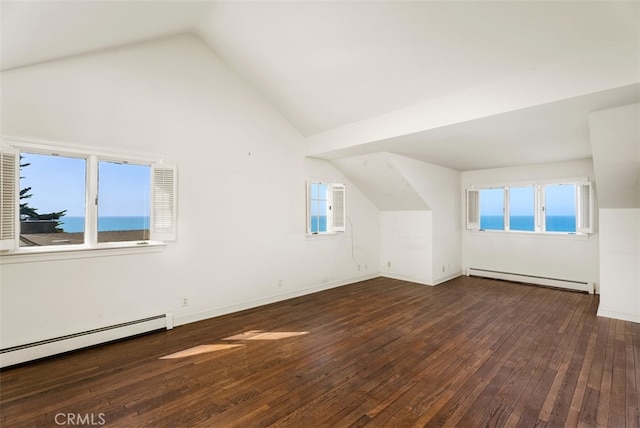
(362, 77)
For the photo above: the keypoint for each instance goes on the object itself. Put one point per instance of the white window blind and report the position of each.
(584, 207)
(164, 203)
(338, 207)
(473, 209)
(9, 206)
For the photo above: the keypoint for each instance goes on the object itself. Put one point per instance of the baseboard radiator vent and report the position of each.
(45, 348)
(587, 287)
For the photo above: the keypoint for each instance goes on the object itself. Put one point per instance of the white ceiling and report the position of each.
(328, 64)
(37, 31)
(547, 133)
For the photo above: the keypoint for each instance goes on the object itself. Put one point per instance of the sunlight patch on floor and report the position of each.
(265, 335)
(200, 349)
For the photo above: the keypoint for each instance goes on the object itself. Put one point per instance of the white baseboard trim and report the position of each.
(200, 316)
(619, 315)
(420, 281)
(586, 286)
(45, 348)
(404, 278)
(447, 278)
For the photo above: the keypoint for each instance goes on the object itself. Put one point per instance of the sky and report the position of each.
(560, 201)
(58, 183)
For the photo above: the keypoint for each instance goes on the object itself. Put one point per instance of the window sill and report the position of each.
(531, 235)
(321, 235)
(45, 254)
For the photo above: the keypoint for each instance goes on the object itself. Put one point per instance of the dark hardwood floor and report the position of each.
(384, 353)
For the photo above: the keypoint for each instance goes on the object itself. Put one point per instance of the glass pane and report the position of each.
(323, 191)
(323, 208)
(492, 209)
(322, 223)
(560, 208)
(314, 190)
(522, 208)
(319, 207)
(52, 200)
(315, 224)
(313, 217)
(124, 202)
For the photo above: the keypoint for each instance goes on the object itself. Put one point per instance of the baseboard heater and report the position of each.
(587, 287)
(45, 348)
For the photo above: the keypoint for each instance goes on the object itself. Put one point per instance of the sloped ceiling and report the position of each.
(39, 31)
(379, 178)
(328, 65)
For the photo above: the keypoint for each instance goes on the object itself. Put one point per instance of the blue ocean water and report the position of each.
(526, 223)
(318, 223)
(106, 224)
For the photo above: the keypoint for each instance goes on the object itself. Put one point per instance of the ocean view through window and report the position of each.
(325, 207)
(42, 179)
(525, 223)
(106, 224)
(522, 208)
(124, 201)
(318, 207)
(560, 208)
(492, 209)
(539, 208)
(79, 198)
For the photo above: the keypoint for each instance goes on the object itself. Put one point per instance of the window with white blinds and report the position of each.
(549, 207)
(78, 198)
(164, 203)
(326, 209)
(9, 177)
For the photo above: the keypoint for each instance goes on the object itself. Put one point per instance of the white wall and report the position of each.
(242, 170)
(620, 264)
(406, 245)
(419, 209)
(439, 187)
(615, 142)
(566, 257)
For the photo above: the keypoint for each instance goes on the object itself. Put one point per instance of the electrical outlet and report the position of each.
(185, 301)
(388, 264)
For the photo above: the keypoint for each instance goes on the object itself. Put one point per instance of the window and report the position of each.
(79, 199)
(124, 202)
(325, 207)
(492, 209)
(522, 210)
(560, 208)
(564, 207)
(52, 200)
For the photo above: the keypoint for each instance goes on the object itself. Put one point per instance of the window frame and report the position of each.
(336, 211)
(583, 200)
(158, 238)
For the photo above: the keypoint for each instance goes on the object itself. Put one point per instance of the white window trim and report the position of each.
(508, 234)
(334, 188)
(61, 253)
(539, 208)
(91, 248)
